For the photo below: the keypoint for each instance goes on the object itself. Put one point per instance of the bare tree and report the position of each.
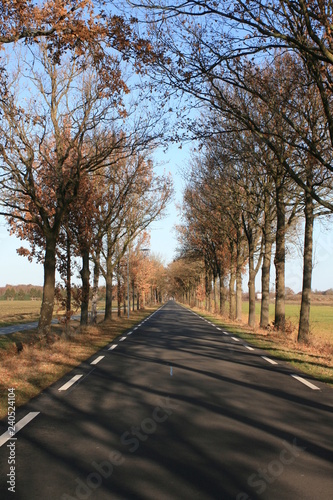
(46, 146)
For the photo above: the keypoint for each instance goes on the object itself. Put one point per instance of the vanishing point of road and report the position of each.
(175, 409)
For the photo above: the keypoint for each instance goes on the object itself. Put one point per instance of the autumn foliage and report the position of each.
(73, 172)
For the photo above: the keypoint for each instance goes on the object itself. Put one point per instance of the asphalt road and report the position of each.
(174, 409)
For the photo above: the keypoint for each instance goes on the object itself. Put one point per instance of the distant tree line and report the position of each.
(21, 293)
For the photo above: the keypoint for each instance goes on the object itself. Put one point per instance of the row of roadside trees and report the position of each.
(76, 139)
(261, 75)
(240, 203)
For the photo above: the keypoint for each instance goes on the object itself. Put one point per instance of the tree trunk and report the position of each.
(238, 292)
(251, 285)
(207, 294)
(68, 278)
(133, 293)
(280, 257)
(265, 280)
(46, 312)
(222, 297)
(239, 264)
(214, 293)
(85, 274)
(94, 299)
(266, 266)
(239, 297)
(232, 295)
(118, 293)
(108, 282)
(304, 321)
(108, 297)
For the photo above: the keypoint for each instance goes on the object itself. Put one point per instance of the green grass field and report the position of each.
(321, 318)
(24, 311)
(18, 311)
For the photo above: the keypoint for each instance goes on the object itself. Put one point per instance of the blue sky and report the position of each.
(16, 270)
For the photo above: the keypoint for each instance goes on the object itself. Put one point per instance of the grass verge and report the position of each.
(314, 358)
(30, 365)
(321, 317)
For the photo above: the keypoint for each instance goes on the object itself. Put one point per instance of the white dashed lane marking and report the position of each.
(271, 361)
(306, 382)
(122, 339)
(97, 360)
(113, 347)
(70, 383)
(18, 426)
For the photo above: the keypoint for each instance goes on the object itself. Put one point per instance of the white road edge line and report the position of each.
(271, 361)
(306, 382)
(70, 383)
(112, 347)
(18, 426)
(97, 360)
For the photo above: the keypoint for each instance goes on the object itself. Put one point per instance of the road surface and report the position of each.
(176, 409)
